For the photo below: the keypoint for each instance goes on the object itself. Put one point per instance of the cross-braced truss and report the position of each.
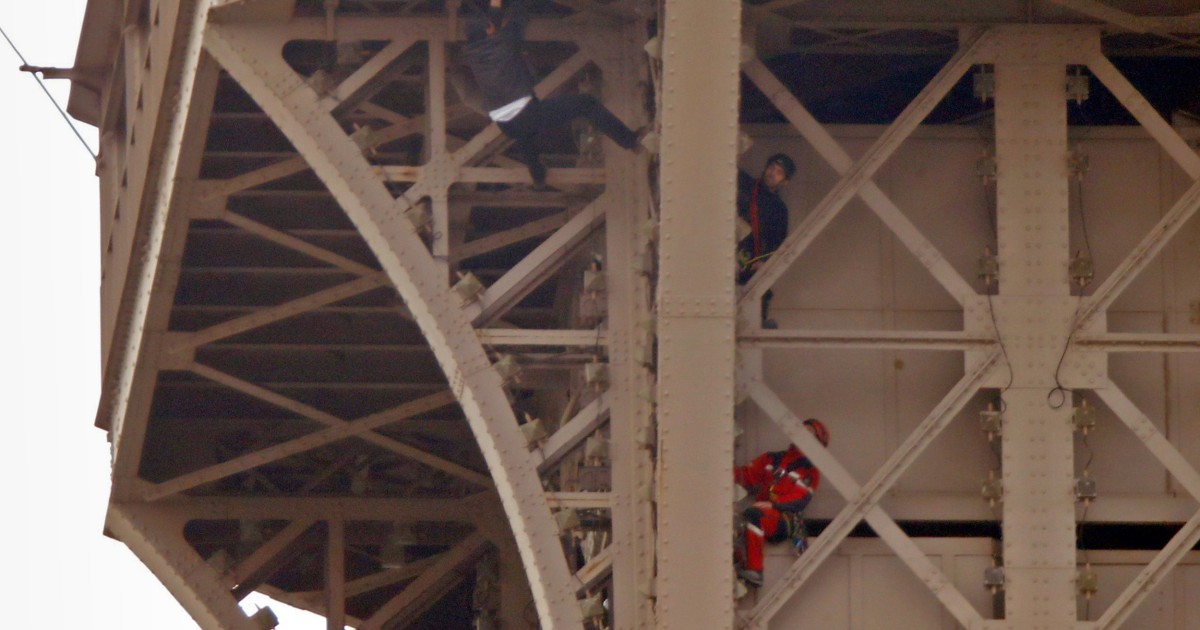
(363, 367)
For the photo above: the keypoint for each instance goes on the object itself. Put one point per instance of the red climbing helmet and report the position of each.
(818, 429)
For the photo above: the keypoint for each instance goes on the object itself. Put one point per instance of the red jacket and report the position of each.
(785, 478)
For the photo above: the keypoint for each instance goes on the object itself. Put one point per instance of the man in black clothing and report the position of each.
(759, 205)
(506, 85)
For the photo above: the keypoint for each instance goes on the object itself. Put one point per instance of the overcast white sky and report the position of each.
(60, 571)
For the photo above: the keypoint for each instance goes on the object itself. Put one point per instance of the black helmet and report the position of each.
(782, 159)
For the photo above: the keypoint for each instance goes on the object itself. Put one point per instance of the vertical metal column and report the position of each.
(627, 208)
(696, 313)
(1034, 313)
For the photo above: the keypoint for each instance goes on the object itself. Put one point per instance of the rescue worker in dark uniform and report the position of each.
(759, 205)
(782, 482)
(493, 52)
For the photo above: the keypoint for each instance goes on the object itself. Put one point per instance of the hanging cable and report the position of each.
(1059, 392)
(25, 66)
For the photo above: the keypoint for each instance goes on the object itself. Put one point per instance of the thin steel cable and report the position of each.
(49, 95)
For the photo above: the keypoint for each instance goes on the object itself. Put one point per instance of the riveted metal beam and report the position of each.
(252, 58)
(543, 337)
(925, 252)
(1151, 437)
(880, 522)
(591, 574)
(1143, 253)
(333, 422)
(156, 538)
(267, 552)
(1139, 342)
(1034, 310)
(317, 439)
(874, 339)
(335, 575)
(627, 204)
(535, 268)
(300, 508)
(869, 495)
(296, 244)
(133, 367)
(1184, 539)
(512, 236)
(1148, 117)
(569, 435)
(696, 313)
(439, 578)
(1146, 581)
(860, 173)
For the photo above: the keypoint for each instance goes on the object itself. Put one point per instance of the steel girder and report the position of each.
(696, 314)
(253, 58)
(1082, 370)
(156, 537)
(857, 176)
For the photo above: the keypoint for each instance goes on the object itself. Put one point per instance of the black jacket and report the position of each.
(772, 221)
(495, 60)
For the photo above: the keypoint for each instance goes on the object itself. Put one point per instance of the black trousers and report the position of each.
(557, 111)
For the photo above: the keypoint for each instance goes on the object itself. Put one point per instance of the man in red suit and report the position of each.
(782, 483)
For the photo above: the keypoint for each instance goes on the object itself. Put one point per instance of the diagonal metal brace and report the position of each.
(862, 171)
(858, 508)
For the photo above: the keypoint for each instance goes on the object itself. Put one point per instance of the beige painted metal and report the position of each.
(267, 552)
(627, 207)
(1184, 540)
(695, 413)
(131, 364)
(691, 309)
(156, 537)
(431, 585)
(313, 440)
(139, 159)
(251, 56)
(836, 156)
(869, 495)
(857, 176)
(335, 575)
(1034, 310)
(887, 529)
(343, 427)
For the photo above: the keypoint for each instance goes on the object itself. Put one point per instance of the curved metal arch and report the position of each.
(254, 60)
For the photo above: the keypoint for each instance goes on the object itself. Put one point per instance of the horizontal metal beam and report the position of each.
(869, 339)
(1139, 342)
(543, 337)
(497, 175)
(396, 509)
(579, 500)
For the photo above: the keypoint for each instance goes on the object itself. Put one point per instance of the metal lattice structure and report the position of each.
(355, 362)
